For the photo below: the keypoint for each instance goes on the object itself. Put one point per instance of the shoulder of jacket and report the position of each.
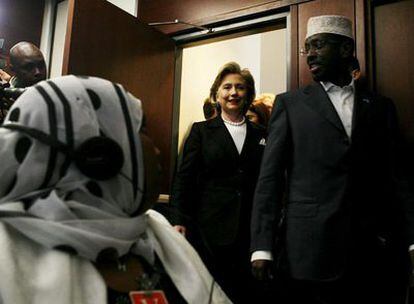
(296, 93)
(257, 128)
(199, 124)
(376, 98)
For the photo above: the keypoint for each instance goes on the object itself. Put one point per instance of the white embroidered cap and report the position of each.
(330, 24)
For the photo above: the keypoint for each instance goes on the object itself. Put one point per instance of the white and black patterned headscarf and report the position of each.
(58, 206)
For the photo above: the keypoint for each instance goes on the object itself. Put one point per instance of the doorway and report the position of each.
(263, 51)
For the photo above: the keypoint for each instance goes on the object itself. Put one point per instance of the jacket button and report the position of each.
(240, 171)
(238, 193)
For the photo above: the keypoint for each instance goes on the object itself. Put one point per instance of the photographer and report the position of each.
(29, 67)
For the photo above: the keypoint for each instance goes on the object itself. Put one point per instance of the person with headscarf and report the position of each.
(73, 196)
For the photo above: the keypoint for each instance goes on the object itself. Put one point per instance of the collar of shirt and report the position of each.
(342, 99)
(329, 86)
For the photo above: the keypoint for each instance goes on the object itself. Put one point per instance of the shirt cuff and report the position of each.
(262, 255)
(411, 248)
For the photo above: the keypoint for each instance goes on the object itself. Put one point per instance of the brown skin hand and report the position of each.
(261, 270)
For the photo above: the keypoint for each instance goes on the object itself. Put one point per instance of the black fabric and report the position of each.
(131, 136)
(22, 147)
(67, 249)
(96, 101)
(14, 115)
(94, 188)
(97, 157)
(53, 133)
(68, 123)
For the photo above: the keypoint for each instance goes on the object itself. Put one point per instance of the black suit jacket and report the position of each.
(213, 188)
(338, 189)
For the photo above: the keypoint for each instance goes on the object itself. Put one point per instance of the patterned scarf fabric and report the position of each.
(45, 196)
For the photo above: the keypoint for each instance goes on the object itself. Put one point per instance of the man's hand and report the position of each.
(261, 270)
(4, 77)
(181, 229)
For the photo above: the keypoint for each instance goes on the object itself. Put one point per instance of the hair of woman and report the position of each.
(234, 68)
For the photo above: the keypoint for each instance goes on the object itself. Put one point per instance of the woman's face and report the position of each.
(231, 95)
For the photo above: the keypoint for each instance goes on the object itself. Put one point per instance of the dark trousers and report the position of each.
(377, 273)
(231, 268)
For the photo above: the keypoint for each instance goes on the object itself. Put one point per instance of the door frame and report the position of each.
(223, 31)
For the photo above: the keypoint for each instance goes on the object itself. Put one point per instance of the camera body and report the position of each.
(7, 97)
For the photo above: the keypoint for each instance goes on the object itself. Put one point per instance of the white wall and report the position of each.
(263, 54)
(273, 71)
(59, 38)
(47, 30)
(130, 6)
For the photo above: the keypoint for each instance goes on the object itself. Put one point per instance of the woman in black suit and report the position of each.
(213, 188)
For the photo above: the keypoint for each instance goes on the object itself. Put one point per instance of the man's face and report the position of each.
(323, 56)
(30, 69)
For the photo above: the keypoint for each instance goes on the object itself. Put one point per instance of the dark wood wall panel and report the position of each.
(105, 41)
(21, 20)
(394, 45)
(203, 11)
(361, 37)
(315, 8)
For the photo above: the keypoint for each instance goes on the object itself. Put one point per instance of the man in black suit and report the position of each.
(331, 152)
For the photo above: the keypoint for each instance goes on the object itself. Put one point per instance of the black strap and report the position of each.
(40, 136)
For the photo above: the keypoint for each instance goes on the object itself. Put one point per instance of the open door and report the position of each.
(104, 41)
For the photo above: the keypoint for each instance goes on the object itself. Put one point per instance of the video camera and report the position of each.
(13, 93)
(7, 97)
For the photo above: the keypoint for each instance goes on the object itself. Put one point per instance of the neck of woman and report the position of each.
(232, 117)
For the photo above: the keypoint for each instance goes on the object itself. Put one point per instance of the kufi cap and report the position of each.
(330, 24)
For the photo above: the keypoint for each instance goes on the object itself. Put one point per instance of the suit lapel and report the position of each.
(223, 137)
(250, 142)
(318, 100)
